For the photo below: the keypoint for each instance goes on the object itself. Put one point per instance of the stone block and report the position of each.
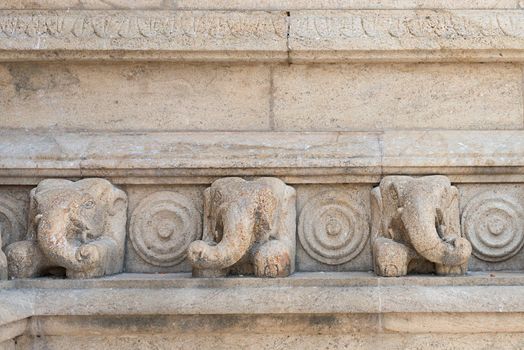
(333, 228)
(407, 35)
(381, 97)
(163, 221)
(492, 218)
(137, 30)
(154, 96)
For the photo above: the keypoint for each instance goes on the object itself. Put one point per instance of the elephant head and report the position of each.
(78, 226)
(240, 215)
(423, 215)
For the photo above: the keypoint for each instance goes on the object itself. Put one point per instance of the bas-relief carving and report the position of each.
(408, 24)
(3, 262)
(249, 228)
(78, 227)
(333, 225)
(137, 25)
(494, 224)
(493, 221)
(12, 225)
(162, 227)
(416, 228)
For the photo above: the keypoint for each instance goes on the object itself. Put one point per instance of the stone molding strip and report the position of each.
(263, 5)
(303, 293)
(296, 157)
(431, 35)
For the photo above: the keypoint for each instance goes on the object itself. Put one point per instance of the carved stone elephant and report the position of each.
(78, 227)
(416, 227)
(249, 228)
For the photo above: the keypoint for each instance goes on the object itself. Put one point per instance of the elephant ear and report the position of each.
(105, 192)
(32, 219)
(267, 211)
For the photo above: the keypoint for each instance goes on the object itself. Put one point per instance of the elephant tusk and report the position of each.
(38, 217)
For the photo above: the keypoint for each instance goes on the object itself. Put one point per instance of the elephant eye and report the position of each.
(89, 204)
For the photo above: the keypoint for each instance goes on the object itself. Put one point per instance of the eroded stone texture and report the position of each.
(493, 221)
(249, 228)
(164, 221)
(333, 228)
(416, 227)
(3, 262)
(78, 227)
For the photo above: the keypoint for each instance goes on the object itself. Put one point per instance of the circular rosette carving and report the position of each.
(494, 224)
(332, 229)
(162, 227)
(11, 225)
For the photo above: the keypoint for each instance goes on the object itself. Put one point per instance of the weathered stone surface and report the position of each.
(76, 226)
(259, 4)
(504, 341)
(296, 157)
(472, 34)
(123, 97)
(493, 221)
(211, 34)
(381, 97)
(164, 221)
(425, 34)
(416, 227)
(343, 4)
(249, 228)
(333, 227)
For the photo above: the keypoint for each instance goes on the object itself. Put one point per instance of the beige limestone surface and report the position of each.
(378, 97)
(167, 96)
(372, 35)
(134, 97)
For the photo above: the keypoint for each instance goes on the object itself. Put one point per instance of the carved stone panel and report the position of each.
(493, 221)
(13, 212)
(164, 220)
(333, 228)
(162, 226)
(249, 229)
(74, 227)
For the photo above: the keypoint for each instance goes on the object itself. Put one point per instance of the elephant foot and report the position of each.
(445, 270)
(25, 259)
(3, 266)
(391, 258)
(272, 259)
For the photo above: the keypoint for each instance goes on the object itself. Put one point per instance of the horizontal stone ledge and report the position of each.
(297, 157)
(301, 324)
(356, 35)
(257, 4)
(295, 295)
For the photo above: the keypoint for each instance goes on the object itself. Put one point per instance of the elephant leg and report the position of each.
(95, 259)
(391, 258)
(272, 259)
(25, 260)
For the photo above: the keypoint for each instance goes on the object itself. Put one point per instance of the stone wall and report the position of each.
(164, 98)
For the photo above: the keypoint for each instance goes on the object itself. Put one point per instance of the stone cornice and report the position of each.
(296, 157)
(349, 35)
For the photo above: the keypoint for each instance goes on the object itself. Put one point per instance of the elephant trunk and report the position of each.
(420, 220)
(52, 233)
(238, 227)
